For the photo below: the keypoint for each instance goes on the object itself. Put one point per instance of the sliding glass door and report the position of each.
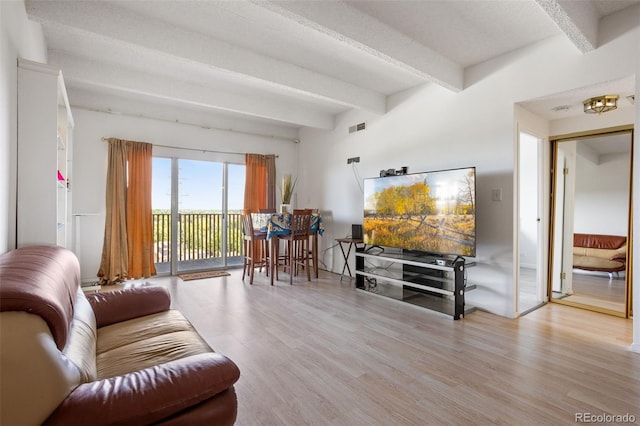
(234, 205)
(196, 225)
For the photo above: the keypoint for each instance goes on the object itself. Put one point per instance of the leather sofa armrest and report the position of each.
(115, 306)
(149, 395)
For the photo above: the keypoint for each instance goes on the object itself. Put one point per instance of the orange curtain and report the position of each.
(127, 250)
(271, 181)
(260, 185)
(139, 212)
(260, 182)
(115, 256)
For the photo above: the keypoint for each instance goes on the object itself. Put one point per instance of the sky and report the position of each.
(200, 185)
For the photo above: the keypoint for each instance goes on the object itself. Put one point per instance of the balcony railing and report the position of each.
(200, 236)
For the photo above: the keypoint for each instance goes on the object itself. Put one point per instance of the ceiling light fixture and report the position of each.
(601, 104)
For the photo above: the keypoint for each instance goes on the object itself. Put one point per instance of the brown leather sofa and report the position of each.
(119, 357)
(604, 253)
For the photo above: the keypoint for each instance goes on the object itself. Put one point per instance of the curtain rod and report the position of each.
(194, 149)
(202, 126)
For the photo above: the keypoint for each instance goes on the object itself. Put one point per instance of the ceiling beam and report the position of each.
(349, 26)
(88, 73)
(577, 19)
(91, 100)
(140, 32)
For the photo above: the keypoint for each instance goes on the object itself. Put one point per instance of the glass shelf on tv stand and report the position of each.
(415, 259)
(416, 279)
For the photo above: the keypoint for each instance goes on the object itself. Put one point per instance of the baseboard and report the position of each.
(90, 285)
(635, 347)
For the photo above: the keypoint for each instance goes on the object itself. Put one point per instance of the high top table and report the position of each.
(276, 224)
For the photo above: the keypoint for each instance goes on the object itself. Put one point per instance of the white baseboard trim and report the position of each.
(90, 285)
(635, 347)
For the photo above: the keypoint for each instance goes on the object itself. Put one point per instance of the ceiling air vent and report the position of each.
(357, 127)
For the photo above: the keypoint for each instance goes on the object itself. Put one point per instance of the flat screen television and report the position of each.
(432, 212)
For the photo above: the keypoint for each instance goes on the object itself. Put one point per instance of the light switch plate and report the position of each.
(496, 194)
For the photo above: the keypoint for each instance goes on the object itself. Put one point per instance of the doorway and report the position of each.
(197, 208)
(591, 214)
(531, 288)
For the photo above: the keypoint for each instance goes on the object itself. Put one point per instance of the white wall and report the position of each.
(18, 38)
(88, 180)
(602, 195)
(431, 128)
(418, 132)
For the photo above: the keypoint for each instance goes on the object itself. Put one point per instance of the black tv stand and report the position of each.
(433, 282)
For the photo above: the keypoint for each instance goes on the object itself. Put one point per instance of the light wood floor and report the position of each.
(528, 292)
(323, 353)
(593, 289)
(598, 290)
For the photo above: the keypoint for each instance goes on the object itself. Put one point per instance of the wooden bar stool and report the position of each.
(255, 247)
(297, 243)
(313, 249)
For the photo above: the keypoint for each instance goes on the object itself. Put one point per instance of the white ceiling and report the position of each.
(601, 149)
(619, 143)
(294, 63)
(567, 104)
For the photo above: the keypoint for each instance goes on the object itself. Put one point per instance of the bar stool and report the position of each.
(297, 243)
(255, 247)
(313, 249)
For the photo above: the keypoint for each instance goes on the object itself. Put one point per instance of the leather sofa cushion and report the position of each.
(606, 242)
(115, 306)
(221, 407)
(592, 263)
(144, 342)
(41, 280)
(150, 395)
(81, 346)
(597, 253)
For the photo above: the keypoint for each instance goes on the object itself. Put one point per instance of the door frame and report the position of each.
(553, 140)
(542, 206)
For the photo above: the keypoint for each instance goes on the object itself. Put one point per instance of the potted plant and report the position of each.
(286, 191)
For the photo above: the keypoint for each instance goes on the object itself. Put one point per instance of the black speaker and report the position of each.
(356, 231)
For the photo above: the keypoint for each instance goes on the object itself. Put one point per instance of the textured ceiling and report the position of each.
(292, 63)
(565, 104)
(468, 32)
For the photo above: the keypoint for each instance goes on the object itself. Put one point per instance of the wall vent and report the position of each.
(357, 127)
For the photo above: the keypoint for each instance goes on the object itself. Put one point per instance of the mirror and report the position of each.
(590, 220)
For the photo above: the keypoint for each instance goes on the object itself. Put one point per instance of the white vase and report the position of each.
(285, 208)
